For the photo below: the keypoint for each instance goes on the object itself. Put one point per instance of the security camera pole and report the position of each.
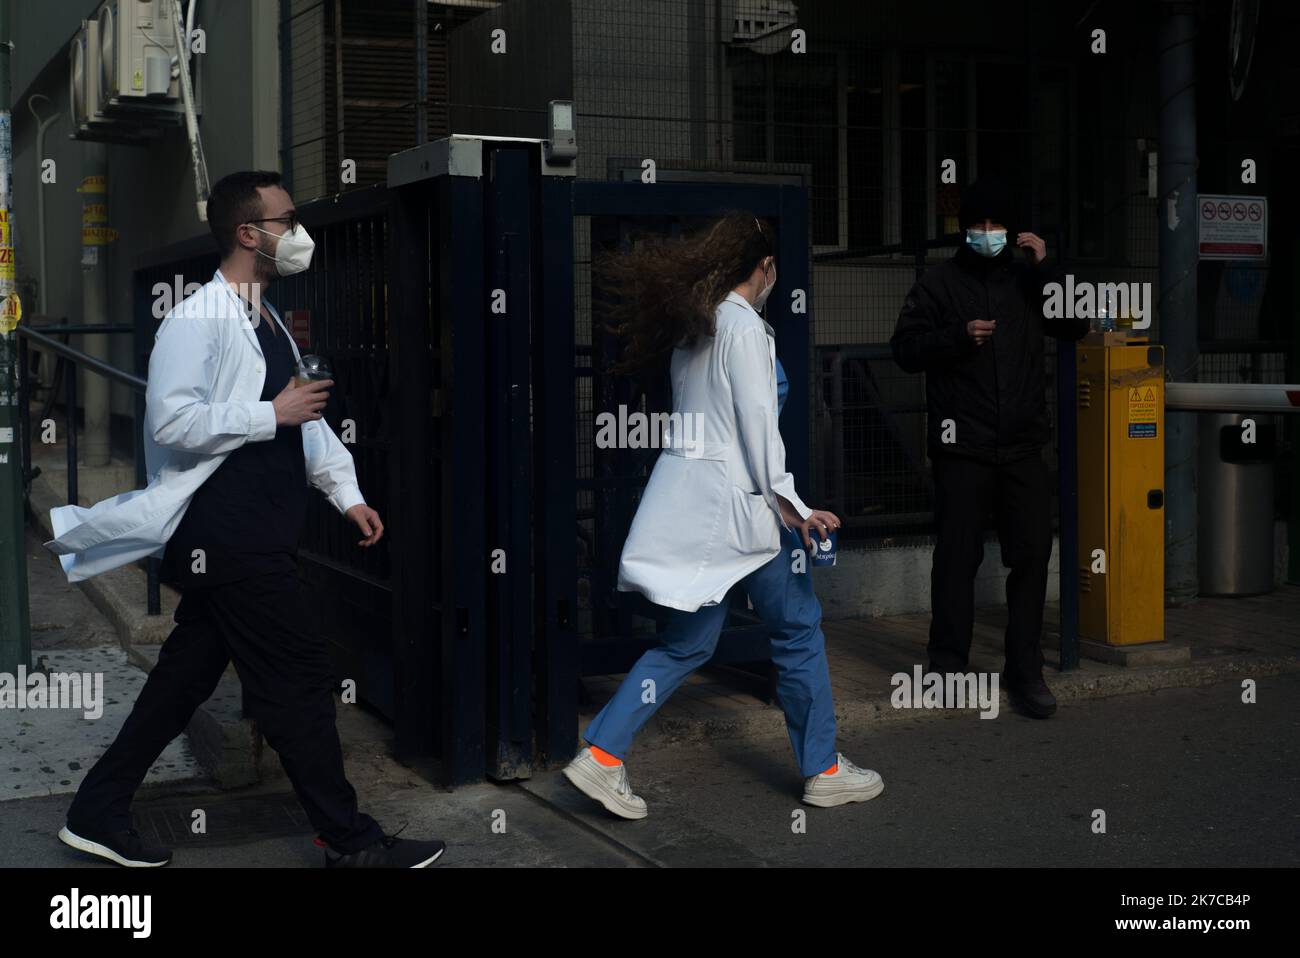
(15, 632)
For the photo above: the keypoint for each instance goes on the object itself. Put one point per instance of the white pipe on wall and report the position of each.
(47, 363)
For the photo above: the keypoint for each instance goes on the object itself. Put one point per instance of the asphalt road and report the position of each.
(1185, 777)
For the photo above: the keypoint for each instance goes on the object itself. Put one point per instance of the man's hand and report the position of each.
(818, 520)
(299, 404)
(367, 520)
(980, 330)
(1037, 248)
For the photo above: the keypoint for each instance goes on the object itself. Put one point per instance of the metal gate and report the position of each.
(448, 306)
(513, 598)
(617, 627)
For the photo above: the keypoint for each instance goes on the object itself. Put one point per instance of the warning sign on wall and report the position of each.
(1232, 227)
(1142, 408)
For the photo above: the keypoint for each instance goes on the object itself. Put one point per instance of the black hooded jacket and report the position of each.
(994, 394)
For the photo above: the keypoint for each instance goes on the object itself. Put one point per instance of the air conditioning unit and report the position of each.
(88, 121)
(83, 77)
(137, 49)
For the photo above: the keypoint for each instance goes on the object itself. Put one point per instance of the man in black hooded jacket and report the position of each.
(974, 325)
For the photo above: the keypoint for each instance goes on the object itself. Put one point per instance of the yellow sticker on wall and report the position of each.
(11, 313)
(97, 235)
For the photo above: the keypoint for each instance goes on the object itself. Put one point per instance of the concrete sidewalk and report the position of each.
(1221, 639)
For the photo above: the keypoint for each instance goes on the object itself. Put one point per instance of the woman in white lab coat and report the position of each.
(720, 507)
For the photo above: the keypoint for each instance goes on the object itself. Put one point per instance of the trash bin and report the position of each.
(1235, 505)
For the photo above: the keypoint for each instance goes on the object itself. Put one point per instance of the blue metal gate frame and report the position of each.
(559, 664)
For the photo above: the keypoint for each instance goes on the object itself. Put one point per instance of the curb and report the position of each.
(1077, 686)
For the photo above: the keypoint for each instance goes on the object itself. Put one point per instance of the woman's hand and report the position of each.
(818, 520)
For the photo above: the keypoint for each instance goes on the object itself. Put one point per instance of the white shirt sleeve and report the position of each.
(749, 367)
(182, 369)
(329, 466)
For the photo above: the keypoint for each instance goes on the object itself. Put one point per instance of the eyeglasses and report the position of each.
(290, 218)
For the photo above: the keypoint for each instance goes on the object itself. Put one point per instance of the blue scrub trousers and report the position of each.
(786, 603)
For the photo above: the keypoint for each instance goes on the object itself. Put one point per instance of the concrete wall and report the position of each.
(896, 581)
(151, 189)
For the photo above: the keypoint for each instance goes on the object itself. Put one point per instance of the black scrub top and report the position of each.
(248, 516)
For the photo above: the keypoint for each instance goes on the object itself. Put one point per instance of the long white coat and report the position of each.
(203, 400)
(709, 515)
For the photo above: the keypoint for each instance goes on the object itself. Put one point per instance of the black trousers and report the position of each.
(288, 684)
(968, 493)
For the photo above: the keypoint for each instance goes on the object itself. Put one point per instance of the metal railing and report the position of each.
(43, 336)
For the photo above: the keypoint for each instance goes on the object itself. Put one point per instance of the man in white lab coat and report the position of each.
(232, 445)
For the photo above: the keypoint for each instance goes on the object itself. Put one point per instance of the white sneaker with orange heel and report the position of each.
(607, 784)
(848, 784)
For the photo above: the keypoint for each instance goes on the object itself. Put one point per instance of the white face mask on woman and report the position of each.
(292, 250)
(761, 298)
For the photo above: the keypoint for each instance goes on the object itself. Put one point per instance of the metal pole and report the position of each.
(70, 402)
(340, 111)
(1293, 525)
(421, 72)
(94, 302)
(1176, 39)
(15, 622)
(1233, 397)
(1067, 438)
(47, 366)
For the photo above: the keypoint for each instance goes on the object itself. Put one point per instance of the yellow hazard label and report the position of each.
(1143, 407)
(94, 213)
(11, 313)
(97, 235)
(137, 80)
(93, 184)
(1142, 404)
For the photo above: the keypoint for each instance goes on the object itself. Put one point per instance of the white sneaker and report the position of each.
(848, 784)
(607, 784)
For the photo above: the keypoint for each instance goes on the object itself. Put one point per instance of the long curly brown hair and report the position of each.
(663, 292)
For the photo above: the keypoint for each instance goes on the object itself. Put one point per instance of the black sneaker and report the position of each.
(389, 852)
(122, 848)
(1033, 698)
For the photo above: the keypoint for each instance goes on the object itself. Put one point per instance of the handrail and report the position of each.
(84, 358)
(77, 357)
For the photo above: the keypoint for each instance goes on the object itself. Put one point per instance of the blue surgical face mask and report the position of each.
(986, 244)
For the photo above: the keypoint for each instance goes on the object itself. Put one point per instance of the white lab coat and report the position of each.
(203, 400)
(709, 515)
